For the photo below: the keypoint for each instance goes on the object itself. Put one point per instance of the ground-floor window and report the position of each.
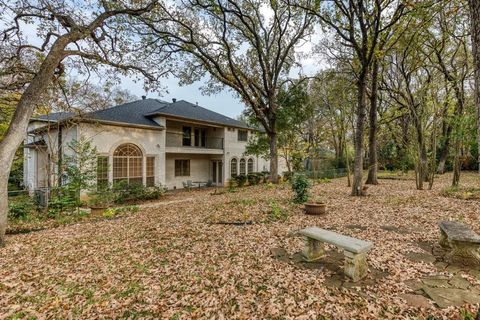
(150, 171)
(250, 165)
(182, 168)
(242, 167)
(233, 167)
(102, 172)
(128, 164)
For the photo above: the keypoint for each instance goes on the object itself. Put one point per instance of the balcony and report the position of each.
(177, 142)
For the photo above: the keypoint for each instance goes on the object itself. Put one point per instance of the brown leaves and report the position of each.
(168, 261)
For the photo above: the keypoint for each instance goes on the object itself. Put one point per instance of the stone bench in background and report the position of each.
(462, 243)
(355, 250)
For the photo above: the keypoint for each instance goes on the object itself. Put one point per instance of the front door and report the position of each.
(217, 173)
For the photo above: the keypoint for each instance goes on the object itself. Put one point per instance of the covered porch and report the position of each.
(197, 168)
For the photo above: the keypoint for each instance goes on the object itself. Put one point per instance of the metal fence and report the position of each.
(327, 173)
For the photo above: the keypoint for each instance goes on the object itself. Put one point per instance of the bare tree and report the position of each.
(76, 32)
(474, 6)
(247, 46)
(359, 24)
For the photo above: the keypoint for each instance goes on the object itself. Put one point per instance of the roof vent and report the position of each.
(174, 100)
(144, 97)
(196, 104)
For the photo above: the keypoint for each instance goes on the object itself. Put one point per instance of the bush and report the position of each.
(254, 178)
(240, 179)
(125, 192)
(301, 186)
(287, 175)
(20, 207)
(276, 213)
(61, 200)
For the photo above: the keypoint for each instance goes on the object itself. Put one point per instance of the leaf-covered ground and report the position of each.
(171, 259)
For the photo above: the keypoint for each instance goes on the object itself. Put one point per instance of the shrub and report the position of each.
(276, 212)
(61, 200)
(287, 175)
(240, 179)
(254, 178)
(20, 208)
(136, 192)
(300, 185)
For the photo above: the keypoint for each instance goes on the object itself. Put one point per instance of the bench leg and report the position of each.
(355, 265)
(313, 250)
(464, 253)
(444, 240)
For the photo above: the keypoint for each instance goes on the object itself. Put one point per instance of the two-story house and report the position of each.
(147, 141)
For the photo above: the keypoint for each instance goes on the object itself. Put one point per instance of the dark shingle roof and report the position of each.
(140, 112)
(55, 116)
(187, 110)
(132, 112)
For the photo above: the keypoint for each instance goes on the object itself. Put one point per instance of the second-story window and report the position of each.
(187, 136)
(200, 137)
(242, 135)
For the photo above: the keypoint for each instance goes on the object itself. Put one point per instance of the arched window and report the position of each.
(233, 167)
(250, 165)
(242, 166)
(128, 164)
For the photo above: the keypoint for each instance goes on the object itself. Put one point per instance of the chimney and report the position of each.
(196, 104)
(174, 100)
(144, 97)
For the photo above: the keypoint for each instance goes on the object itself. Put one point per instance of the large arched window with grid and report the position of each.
(128, 164)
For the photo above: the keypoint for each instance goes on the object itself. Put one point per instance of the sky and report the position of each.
(226, 102)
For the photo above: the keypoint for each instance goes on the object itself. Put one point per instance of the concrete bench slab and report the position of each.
(461, 241)
(355, 250)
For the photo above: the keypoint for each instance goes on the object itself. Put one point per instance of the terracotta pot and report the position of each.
(315, 208)
(97, 211)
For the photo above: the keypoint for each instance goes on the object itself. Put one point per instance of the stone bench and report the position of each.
(462, 243)
(355, 250)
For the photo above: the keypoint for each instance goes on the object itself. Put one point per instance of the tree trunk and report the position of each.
(372, 134)
(358, 137)
(444, 150)
(17, 129)
(273, 157)
(475, 25)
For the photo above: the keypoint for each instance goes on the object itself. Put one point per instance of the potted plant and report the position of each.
(316, 207)
(100, 200)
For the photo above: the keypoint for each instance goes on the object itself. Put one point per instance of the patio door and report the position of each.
(217, 169)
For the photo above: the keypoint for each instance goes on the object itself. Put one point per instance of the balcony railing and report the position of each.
(178, 140)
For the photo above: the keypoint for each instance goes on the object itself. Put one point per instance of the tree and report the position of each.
(474, 6)
(246, 46)
(358, 25)
(68, 36)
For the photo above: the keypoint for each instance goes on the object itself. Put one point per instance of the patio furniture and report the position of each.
(462, 243)
(355, 250)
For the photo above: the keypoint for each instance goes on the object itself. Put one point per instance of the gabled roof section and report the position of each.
(141, 112)
(186, 110)
(129, 113)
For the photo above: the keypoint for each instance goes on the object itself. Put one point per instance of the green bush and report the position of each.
(254, 178)
(301, 186)
(276, 213)
(125, 193)
(287, 175)
(240, 179)
(61, 200)
(20, 207)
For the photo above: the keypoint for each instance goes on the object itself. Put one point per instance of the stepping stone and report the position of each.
(420, 257)
(458, 282)
(416, 300)
(278, 252)
(446, 297)
(436, 282)
(356, 226)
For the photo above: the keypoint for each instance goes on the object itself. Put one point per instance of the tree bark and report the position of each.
(475, 26)
(17, 129)
(372, 133)
(444, 149)
(358, 137)
(273, 157)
